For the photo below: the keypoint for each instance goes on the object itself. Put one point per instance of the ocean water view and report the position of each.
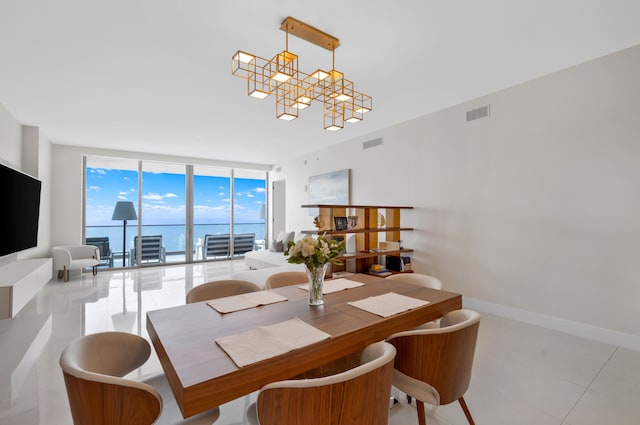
(173, 236)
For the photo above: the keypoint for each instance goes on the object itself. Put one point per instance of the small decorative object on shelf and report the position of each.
(341, 223)
(353, 222)
(316, 255)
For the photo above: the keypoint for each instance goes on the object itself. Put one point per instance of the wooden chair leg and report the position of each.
(65, 274)
(95, 270)
(422, 420)
(465, 409)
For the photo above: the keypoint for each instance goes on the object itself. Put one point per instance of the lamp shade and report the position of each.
(124, 211)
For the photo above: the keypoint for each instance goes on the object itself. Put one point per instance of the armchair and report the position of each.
(69, 257)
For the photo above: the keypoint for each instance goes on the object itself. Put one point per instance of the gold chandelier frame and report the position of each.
(295, 90)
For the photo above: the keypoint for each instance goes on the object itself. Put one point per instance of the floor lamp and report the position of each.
(124, 211)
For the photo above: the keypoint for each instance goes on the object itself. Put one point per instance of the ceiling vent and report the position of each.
(372, 143)
(478, 113)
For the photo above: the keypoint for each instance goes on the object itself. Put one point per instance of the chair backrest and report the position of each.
(216, 246)
(278, 280)
(219, 289)
(103, 245)
(418, 279)
(243, 242)
(93, 366)
(442, 357)
(357, 396)
(151, 248)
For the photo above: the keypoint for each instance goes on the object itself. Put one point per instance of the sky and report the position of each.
(163, 197)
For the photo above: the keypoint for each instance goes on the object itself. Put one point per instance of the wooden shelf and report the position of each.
(373, 254)
(371, 221)
(358, 206)
(373, 229)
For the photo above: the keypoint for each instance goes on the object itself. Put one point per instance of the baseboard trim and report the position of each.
(607, 336)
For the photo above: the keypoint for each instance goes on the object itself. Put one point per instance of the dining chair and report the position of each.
(417, 278)
(422, 280)
(434, 365)
(219, 289)
(357, 396)
(281, 279)
(94, 367)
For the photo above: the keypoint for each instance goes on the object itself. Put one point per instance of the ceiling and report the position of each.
(154, 75)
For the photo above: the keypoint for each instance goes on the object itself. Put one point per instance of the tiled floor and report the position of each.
(522, 374)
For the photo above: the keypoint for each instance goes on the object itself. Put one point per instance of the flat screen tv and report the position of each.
(21, 207)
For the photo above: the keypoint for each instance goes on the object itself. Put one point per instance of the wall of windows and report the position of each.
(177, 206)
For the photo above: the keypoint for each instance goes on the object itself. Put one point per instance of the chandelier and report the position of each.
(295, 90)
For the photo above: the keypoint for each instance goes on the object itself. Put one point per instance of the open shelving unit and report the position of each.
(372, 221)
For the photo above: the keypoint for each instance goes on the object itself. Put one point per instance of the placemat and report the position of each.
(245, 301)
(388, 304)
(265, 342)
(335, 285)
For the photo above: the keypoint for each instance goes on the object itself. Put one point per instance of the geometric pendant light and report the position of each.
(295, 90)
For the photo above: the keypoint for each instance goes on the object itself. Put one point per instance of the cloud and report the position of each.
(260, 189)
(170, 195)
(152, 197)
(96, 188)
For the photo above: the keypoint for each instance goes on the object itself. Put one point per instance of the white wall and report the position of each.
(28, 149)
(533, 210)
(10, 138)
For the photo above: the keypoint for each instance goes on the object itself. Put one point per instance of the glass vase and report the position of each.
(315, 275)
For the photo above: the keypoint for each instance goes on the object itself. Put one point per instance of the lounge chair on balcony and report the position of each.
(216, 246)
(151, 250)
(243, 242)
(106, 256)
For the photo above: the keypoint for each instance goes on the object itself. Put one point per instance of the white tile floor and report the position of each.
(522, 374)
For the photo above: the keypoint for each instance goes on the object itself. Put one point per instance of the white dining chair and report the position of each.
(418, 279)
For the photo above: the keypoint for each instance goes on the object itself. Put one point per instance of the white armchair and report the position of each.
(70, 257)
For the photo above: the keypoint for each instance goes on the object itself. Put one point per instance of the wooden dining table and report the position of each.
(203, 376)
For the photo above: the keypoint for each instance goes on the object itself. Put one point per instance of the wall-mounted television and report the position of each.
(21, 209)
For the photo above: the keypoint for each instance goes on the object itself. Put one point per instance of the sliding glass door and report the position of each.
(175, 212)
(211, 212)
(162, 215)
(249, 211)
(110, 181)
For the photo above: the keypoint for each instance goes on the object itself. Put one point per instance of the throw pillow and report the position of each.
(285, 237)
(276, 246)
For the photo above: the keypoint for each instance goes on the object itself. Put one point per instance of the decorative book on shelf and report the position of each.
(368, 223)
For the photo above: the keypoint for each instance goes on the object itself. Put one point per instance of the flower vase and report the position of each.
(315, 275)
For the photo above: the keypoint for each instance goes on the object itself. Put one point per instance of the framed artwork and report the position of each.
(341, 223)
(353, 222)
(329, 188)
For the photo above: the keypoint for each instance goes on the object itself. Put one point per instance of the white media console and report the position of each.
(20, 281)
